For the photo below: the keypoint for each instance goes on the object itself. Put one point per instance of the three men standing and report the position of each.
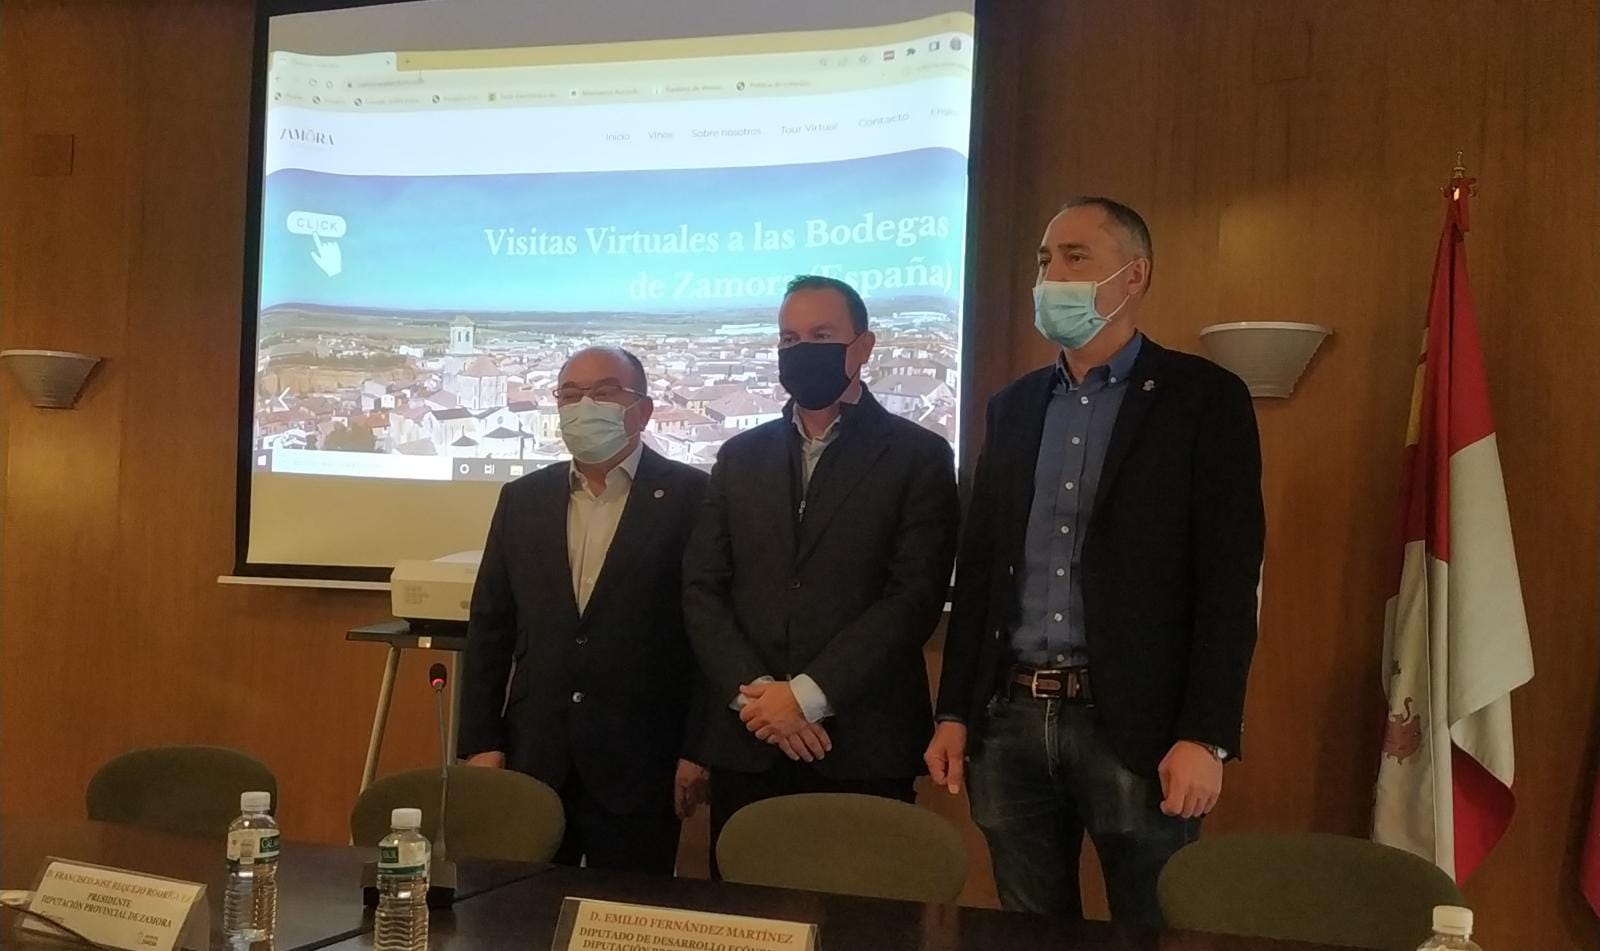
(1102, 627)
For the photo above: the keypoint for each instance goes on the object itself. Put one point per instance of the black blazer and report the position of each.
(608, 692)
(1171, 561)
(846, 594)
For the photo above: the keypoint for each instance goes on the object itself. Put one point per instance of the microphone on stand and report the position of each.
(442, 872)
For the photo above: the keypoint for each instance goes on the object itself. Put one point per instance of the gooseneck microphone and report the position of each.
(442, 874)
(441, 871)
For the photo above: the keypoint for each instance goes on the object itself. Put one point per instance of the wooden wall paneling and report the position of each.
(189, 152)
(1311, 194)
(308, 711)
(50, 154)
(1287, 156)
(1296, 231)
(120, 513)
(64, 74)
(1532, 246)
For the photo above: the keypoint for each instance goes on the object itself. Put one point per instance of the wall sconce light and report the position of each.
(51, 379)
(1268, 355)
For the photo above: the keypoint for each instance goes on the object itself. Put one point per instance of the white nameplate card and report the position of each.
(120, 909)
(589, 925)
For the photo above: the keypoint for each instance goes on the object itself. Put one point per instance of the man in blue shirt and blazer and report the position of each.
(1104, 615)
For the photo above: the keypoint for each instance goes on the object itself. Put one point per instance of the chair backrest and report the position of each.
(494, 813)
(846, 844)
(178, 790)
(1325, 889)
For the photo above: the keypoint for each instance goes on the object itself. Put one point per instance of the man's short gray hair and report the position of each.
(1135, 234)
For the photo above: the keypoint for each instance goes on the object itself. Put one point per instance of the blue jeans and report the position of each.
(1041, 777)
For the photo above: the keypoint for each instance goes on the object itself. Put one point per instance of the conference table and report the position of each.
(507, 905)
(319, 886)
(523, 916)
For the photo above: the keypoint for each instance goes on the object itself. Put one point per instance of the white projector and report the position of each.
(434, 593)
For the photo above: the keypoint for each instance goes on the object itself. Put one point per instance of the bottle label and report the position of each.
(248, 846)
(405, 858)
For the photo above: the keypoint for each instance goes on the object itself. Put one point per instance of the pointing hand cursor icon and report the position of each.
(327, 255)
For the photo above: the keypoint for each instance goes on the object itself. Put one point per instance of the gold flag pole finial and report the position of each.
(1459, 175)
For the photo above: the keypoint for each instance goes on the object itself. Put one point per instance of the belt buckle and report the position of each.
(1060, 688)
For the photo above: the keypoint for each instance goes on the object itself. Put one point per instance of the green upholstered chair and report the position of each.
(189, 791)
(1324, 889)
(494, 813)
(846, 844)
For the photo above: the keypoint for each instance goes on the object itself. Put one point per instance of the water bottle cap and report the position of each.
(406, 819)
(1452, 920)
(255, 801)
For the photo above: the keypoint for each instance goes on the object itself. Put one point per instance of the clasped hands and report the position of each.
(773, 714)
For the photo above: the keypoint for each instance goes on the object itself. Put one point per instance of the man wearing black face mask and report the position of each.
(817, 571)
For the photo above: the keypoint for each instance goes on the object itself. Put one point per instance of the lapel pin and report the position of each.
(661, 493)
(1149, 385)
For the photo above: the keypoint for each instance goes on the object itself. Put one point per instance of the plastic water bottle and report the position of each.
(250, 905)
(1452, 930)
(403, 856)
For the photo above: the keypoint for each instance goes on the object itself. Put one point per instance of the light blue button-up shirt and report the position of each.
(1072, 453)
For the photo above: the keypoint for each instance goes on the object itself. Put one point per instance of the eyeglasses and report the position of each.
(604, 392)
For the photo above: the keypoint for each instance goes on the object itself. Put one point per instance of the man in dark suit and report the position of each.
(817, 571)
(578, 671)
(1105, 607)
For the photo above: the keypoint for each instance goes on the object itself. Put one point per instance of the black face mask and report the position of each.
(813, 373)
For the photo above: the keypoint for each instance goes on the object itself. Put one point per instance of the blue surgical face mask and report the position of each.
(1064, 311)
(594, 432)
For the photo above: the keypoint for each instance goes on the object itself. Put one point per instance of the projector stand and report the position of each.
(400, 636)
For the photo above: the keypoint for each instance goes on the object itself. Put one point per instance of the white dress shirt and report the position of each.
(592, 522)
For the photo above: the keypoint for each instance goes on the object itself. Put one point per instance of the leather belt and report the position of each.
(1053, 683)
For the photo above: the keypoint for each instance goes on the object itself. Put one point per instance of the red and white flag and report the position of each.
(1455, 640)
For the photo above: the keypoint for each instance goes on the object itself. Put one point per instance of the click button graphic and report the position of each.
(325, 230)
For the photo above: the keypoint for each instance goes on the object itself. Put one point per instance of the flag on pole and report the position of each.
(1455, 640)
(1589, 873)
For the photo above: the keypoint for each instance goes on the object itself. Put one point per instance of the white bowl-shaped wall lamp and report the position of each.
(1268, 355)
(51, 379)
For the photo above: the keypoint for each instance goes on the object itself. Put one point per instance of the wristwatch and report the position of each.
(1217, 751)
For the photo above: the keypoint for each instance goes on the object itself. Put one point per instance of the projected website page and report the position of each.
(440, 230)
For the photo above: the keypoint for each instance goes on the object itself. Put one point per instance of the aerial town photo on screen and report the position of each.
(479, 386)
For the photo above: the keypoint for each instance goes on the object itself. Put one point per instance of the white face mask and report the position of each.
(594, 432)
(1064, 311)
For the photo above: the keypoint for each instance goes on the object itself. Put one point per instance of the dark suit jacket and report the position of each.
(848, 594)
(1171, 561)
(627, 655)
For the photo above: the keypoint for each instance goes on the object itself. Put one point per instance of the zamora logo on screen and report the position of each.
(306, 137)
